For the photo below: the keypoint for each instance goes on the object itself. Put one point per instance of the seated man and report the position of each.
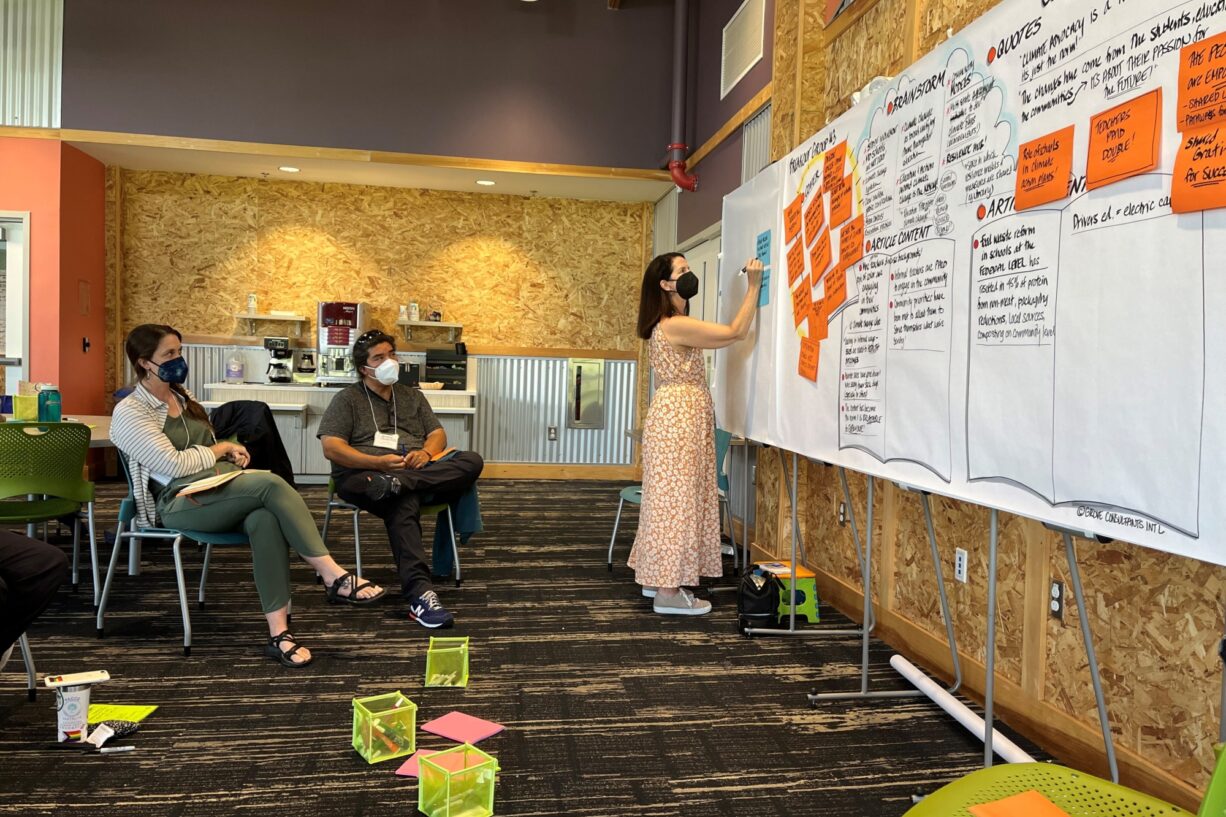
(381, 437)
(30, 573)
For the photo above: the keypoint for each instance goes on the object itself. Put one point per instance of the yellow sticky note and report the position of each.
(119, 712)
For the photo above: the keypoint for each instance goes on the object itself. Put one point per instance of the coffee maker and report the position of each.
(279, 359)
(304, 369)
(339, 324)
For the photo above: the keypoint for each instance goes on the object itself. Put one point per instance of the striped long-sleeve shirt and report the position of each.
(137, 430)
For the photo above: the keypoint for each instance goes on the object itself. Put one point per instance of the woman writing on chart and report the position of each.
(678, 535)
(169, 443)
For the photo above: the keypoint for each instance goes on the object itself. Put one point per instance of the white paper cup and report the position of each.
(72, 709)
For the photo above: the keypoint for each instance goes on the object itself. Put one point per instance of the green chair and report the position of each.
(131, 531)
(47, 460)
(338, 504)
(1079, 794)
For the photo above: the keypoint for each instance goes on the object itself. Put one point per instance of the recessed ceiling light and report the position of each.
(287, 169)
(487, 182)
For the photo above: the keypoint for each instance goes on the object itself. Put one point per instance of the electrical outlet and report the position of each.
(553, 434)
(960, 565)
(842, 513)
(1056, 605)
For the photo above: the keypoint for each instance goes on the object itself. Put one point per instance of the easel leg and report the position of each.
(990, 669)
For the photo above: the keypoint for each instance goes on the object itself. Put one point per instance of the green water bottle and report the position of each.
(48, 403)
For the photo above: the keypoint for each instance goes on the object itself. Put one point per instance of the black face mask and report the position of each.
(687, 285)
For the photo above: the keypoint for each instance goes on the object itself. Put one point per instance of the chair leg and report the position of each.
(187, 617)
(76, 551)
(31, 672)
(323, 533)
(110, 576)
(93, 552)
(204, 574)
(357, 544)
(616, 521)
(455, 550)
(736, 556)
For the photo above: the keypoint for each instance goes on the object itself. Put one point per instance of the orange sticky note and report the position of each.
(801, 299)
(1027, 804)
(819, 256)
(791, 219)
(1125, 140)
(815, 217)
(810, 352)
(1199, 182)
(851, 241)
(833, 161)
(1043, 167)
(1202, 84)
(796, 262)
(819, 325)
(840, 201)
(836, 288)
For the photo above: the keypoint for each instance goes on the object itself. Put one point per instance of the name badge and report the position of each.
(389, 441)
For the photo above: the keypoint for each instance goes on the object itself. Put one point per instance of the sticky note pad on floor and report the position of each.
(412, 766)
(462, 728)
(1027, 804)
(119, 712)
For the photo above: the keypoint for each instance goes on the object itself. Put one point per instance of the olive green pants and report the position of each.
(271, 513)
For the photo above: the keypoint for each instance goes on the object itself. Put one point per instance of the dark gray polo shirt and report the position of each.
(352, 417)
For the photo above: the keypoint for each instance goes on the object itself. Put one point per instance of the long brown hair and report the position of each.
(142, 343)
(654, 303)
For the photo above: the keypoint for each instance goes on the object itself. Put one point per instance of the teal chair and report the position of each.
(129, 530)
(43, 463)
(335, 503)
(634, 494)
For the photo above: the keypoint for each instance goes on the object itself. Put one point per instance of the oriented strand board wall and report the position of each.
(516, 271)
(1156, 618)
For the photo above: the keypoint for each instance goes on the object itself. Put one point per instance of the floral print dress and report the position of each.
(678, 536)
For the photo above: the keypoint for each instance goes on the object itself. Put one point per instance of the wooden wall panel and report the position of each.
(936, 17)
(1157, 621)
(871, 47)
(783, 77)
(516, 271)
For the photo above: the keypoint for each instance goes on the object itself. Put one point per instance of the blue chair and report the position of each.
(634, 494)
(338, 504)
(128, 529)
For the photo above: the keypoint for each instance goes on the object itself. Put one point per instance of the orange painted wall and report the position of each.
(30, 182)
(63, 190)
(82, 301)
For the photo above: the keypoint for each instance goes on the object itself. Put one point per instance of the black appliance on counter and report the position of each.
(447, 365)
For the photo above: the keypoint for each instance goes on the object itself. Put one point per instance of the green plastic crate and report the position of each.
(447, 662)
(457, 782)
(384, 726)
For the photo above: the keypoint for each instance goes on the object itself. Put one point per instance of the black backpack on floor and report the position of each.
(757, 599)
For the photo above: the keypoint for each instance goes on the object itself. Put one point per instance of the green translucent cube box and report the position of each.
(458, 782)
(384, 726)
(447, 662)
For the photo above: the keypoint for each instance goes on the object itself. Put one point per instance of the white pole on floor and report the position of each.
(1001, 745)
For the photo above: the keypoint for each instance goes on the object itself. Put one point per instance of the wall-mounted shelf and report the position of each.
(454, 330)
(251, 320)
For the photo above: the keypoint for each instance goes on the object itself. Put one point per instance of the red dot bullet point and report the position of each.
(982, 212)
(976, 245)
(991, 55)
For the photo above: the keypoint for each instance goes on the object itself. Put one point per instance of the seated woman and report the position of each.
(169, 443)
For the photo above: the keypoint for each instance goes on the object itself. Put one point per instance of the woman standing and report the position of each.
(169, 443)
(678, 535)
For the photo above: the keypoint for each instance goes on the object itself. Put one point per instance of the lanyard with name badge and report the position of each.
(389, 441)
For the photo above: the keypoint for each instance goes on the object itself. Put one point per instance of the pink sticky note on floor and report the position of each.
(412, 766)
(463, 728)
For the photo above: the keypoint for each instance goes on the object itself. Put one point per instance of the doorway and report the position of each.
(14, 298)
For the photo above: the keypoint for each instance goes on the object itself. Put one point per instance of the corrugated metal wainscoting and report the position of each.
(520, 398)
(31, 45)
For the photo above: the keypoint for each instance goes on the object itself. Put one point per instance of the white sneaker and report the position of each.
(682, 604)
(4, 659)
(649, 592)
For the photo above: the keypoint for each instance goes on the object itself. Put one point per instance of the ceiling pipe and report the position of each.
(677, 149)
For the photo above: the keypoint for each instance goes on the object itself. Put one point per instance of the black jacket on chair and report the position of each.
(251, 423)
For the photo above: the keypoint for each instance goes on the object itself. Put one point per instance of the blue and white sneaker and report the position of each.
(428, 611)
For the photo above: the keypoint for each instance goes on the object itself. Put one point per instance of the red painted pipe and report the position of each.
(676, 167)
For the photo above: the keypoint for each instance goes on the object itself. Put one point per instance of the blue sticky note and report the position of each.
(764, 248)
(764, 295)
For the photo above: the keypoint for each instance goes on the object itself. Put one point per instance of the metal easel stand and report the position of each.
(750, 631)
(726, 502)
(869, 617)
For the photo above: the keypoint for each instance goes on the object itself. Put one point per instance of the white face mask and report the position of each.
(387, 372)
